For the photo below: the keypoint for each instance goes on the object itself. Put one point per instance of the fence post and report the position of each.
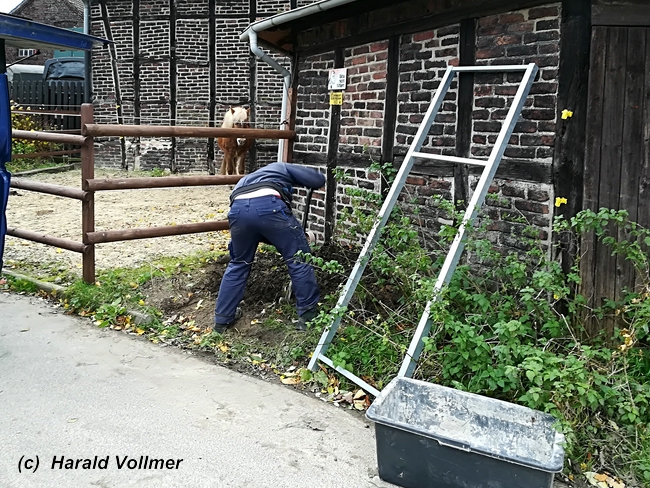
(88, 206)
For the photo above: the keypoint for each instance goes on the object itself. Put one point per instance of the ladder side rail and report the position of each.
(351, 376)
(506, 68)
(456, 249)
(382, 217)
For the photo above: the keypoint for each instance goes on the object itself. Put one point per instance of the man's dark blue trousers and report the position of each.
(264, 219)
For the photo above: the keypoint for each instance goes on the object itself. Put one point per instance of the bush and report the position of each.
(28, 122)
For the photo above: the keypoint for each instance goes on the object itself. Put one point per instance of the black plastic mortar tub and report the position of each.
(432, 436)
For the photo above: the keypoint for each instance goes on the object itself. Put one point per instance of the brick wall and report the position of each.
(312, 107)
(520, 37)
(268, 103)
(424, 57)
(362, 112)
(312, 129)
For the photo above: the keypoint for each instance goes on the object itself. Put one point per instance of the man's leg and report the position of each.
(243, 244)
(284, 231)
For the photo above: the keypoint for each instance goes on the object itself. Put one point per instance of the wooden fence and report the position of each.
(55, 102)
(89, 185)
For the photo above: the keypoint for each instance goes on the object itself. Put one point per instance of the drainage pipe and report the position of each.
(87, 56)
(286, 75)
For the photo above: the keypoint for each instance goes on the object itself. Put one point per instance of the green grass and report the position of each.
(19, 285)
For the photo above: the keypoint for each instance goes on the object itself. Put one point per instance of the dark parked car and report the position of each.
(64, 69)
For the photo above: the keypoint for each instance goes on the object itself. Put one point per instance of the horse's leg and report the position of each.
(226, 164)
(241, 161)
(232, 162)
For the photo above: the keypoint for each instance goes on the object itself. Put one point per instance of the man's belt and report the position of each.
(261, 192)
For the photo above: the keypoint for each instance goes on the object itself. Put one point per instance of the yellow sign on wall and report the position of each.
(336, 98)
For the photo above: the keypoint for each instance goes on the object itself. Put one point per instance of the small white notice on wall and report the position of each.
(337, 79)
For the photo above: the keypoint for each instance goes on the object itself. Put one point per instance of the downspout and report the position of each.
(257, 51)
(87, 56)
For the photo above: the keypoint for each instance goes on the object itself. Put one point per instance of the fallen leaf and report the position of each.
(24, 330)
(591, 478)
(359, 394)
(139, 331)
(291, 381)
(198, 305)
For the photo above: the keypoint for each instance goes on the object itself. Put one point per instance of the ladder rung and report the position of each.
(491, 68)
(450, 159)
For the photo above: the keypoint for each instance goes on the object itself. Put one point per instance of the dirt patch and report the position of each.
(61, 217)
(193, 295)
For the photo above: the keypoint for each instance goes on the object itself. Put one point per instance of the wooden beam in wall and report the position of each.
(396, 18)
(172, 81)
(621, 15)
(112, 49)
(390, 108)
(332, 156)
(212, 74)
(573, 81)
(252, 84)
(467, 57)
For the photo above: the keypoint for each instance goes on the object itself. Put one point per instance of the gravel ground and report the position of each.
(61, 217)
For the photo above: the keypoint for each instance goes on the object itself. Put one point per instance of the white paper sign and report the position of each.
(337, 79)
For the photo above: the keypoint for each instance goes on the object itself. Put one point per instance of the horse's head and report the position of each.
(240, 117)
(240, 121)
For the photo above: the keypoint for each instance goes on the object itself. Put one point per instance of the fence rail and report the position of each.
(89, 185)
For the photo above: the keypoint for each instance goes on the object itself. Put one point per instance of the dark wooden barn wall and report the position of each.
(617, 163)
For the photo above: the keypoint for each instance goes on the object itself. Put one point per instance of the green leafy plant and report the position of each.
(509, 325)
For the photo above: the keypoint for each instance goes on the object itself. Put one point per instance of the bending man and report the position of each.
(260, 211)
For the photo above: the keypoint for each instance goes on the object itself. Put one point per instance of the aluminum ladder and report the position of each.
(490, 166)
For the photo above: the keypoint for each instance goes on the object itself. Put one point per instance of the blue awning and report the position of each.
(27, 34)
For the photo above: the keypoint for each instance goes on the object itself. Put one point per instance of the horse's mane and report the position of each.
(234, 115)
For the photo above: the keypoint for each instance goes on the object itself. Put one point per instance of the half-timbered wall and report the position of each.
(523, 193)
(181, 63)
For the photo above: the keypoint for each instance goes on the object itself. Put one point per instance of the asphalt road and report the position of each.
(96, 408)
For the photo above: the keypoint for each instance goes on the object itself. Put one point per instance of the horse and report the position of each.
(235, 149)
